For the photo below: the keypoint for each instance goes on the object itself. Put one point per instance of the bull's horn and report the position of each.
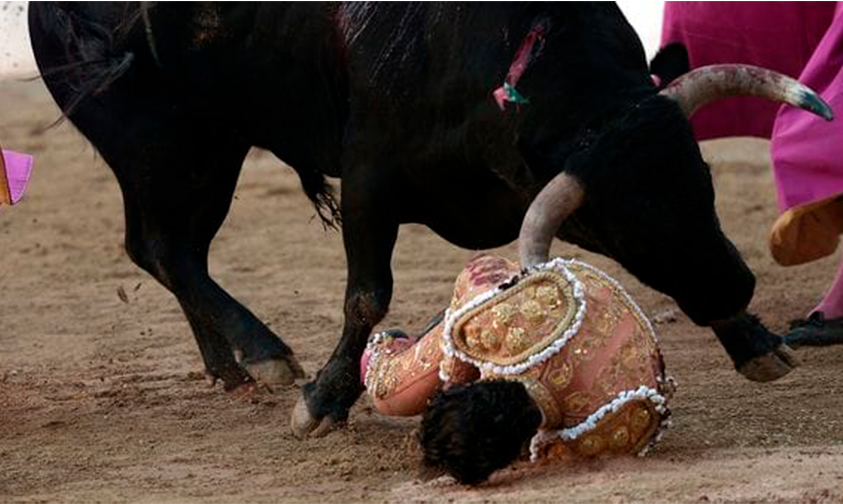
(706, 84)
(559, 199)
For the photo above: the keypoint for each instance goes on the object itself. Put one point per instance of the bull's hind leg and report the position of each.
(178, 181)
(177, 166)
(176, 198)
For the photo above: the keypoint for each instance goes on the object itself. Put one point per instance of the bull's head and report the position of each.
(641, 193)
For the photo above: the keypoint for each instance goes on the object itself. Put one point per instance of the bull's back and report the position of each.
(422, 84)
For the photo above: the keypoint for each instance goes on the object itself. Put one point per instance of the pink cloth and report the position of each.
(18, 171)
(780, 36)
(808, 151)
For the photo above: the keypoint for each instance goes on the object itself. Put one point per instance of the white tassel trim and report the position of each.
(371, 380)
(665, 424)
(444, 375)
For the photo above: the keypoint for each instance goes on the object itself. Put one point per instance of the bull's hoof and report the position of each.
(305, 425)
(284, 371)
(771, 366)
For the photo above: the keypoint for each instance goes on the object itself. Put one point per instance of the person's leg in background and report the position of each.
(808, 166)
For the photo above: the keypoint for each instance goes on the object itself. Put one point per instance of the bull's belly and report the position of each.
(474, 221)
(471, 238)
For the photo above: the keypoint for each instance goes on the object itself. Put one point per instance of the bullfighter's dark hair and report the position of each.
(470, 431)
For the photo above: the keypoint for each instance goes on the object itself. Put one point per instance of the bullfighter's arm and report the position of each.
(401, 375)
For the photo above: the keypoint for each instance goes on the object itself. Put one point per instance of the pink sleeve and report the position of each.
(401, 376)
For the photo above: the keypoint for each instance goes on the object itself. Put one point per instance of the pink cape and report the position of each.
(808, 151)
(801, 39)
(17, 169)
(780, 36)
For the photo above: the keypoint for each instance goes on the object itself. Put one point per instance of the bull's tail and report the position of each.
(320, 192)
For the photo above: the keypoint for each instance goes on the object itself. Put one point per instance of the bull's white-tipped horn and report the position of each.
(706, 84)
(560, 198)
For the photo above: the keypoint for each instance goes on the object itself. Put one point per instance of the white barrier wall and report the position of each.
(646, 17)
(16, 59)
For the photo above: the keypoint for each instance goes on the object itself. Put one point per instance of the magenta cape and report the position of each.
(14, 176)
(780, 36)
(801, 39)
(807, 157)
(808, 151)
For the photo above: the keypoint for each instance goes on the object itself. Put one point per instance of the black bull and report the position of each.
(400, 102)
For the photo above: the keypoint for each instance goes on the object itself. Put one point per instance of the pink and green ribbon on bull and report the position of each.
(530, 48)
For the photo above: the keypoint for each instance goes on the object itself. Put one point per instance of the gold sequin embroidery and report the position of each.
(490, 340)
(532, 310)
(591, 445)
(516, 342)
(619, 438)
(576, 402)
(503, 313)
(521, 321)
(548, 295)
(472, 336)
(641, 418)
(560, 377)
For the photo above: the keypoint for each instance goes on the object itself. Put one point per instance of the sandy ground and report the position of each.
(103, 399)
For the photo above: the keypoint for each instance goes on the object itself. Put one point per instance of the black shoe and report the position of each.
(816, 330)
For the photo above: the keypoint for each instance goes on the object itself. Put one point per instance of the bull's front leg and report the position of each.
(369, 234)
